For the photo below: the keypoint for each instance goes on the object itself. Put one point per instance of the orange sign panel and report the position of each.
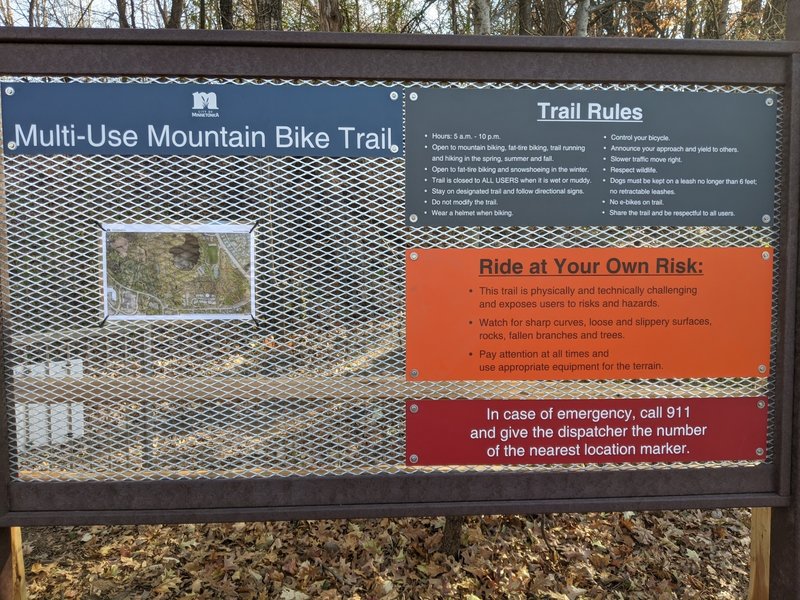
(587, 313)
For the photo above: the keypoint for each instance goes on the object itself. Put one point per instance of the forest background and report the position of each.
(674, 19)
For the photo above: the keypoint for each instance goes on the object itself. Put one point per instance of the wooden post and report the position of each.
(12, 565)
(18, 565)
(759, 553)
(6, 565)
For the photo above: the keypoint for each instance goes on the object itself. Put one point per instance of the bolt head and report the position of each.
(414, 373)
(761, 404)
(766, 219)
(760, 451)
(394, 95)
(394, 149)
(413, 96)
(414, 408)
(770, 101)
(12, 145)
(765, 255)
(762, 368)
(414, 459)
(413, 218)
(9, 91)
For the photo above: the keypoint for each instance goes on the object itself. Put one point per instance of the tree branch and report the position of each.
(604, 5)
(415, 20)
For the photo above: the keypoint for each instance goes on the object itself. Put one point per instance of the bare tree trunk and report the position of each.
(481, 17)
(330, 16)
(162, 10)
(689, 21)
(268, 14)
(525, 17)
(393, 12)
(122, 13)
(226, 13)
(553, 17)
(722, 18)
(582, 19)
(175, 14)
(451, 4)
(201, 21)
(7, 15)
(451, 536)
(712, 23)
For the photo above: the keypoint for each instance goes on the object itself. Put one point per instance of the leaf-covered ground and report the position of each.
(648, 556)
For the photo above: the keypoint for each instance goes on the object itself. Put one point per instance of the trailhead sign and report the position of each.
(339, 291)
(476, 161)
(572, 314)
(506, 159)
(589, 157)
(520, 432)
(582, 315)
(201, 120)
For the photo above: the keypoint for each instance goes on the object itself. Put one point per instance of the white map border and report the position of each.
(179, 228)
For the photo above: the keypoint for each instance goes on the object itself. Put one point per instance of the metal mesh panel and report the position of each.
(316, 385)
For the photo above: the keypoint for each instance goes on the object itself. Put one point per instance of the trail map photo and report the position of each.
(178, 271)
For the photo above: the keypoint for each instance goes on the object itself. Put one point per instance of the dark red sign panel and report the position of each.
(534, 432)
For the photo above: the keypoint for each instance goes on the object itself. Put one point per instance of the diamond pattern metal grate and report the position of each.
(316, 386)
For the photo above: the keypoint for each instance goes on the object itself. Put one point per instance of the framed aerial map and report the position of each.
(178, 271)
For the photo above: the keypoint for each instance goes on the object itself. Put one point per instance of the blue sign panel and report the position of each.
(201, 119)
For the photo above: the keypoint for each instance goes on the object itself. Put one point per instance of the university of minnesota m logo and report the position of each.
(204, 101)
